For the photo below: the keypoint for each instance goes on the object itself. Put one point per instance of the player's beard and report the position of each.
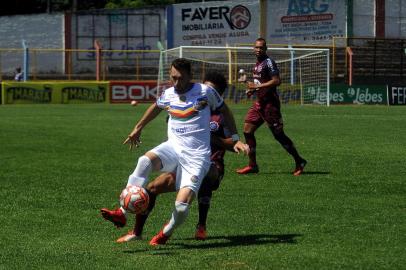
(184, 89)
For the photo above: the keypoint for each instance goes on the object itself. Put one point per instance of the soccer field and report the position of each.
(59, 164)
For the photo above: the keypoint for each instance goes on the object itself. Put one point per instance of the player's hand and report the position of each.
(241, 147)
(249, 92)
(133, 139)
(251, 88)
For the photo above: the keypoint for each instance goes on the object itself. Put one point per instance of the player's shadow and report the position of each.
(218, 242)
(303, 173)
(241, 240)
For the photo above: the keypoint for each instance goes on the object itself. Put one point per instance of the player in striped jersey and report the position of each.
(220, 142)
(187, 150)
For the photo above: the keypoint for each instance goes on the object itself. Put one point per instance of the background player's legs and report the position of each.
(146, 163)
(249, 134)
(204, 197)
(210, 183)
(277, 131)
(249, 131)
(253, 120)
(162, 184)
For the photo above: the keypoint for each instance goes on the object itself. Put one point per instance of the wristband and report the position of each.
(235, 137)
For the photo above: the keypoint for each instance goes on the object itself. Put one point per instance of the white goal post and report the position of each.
(304, 72)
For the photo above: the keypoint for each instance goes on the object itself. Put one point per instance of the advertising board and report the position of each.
(217, 23)
(397, 94)
(305, 21)
(126, 91)
(48, 92)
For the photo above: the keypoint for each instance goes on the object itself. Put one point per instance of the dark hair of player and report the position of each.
(182, 64)
(262, 40)
(218, 80)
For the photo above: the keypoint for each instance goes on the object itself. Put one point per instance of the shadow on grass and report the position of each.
(303, 173)
(219, 242)
(242, 240)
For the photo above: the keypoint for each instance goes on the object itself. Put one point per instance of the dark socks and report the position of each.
(140, 219)
(252, 143)
(287, 143)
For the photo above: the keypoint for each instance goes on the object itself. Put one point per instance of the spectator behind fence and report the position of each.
(243, 76)
(18, 75)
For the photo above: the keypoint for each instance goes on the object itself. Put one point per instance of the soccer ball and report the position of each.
(134, 199)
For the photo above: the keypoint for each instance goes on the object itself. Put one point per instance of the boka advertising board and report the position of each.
(126, 91)
(213, 23)
(306, 21)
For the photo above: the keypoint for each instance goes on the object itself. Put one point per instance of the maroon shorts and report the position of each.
(260, 113)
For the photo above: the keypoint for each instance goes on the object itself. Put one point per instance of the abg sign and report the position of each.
(125, 91)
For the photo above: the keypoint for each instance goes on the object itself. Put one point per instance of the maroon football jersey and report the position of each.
(217, 129)
(263, 72)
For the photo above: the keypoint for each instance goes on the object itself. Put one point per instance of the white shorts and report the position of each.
(190, 170)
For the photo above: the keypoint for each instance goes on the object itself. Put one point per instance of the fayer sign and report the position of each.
(213, 23)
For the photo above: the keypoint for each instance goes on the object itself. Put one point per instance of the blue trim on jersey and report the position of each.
(221, 105)
(273, 68)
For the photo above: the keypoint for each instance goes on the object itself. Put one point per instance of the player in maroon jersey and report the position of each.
(220, 142)
(266, 108)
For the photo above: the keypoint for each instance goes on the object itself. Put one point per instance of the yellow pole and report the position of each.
(262, 18)
(1, 71)
(230, 68)
(137, 68)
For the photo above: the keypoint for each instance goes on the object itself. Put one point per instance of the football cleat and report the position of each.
(129, 237)
(200, 233)
(117, 217)
(299, 167)
(248, 169)
(159, 239)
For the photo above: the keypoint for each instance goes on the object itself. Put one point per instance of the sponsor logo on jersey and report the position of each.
(200, 103)
(214, 126)
(183, 130)
(194, 179)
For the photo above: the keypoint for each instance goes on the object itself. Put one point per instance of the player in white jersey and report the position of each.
(187, 150)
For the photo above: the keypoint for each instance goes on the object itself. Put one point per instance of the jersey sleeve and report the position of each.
(214, 100)
(162, 101)
(272, 67)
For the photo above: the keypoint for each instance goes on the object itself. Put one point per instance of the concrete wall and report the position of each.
(364, 18)
(39, 31)
(395, 18)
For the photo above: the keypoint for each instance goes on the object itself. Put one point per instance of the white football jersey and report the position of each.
(189, 121)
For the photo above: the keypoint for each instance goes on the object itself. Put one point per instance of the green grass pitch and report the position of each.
(59, 164)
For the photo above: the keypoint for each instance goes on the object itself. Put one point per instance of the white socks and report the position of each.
(140, 175)
(179, 215)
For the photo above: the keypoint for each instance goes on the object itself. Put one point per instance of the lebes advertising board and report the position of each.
(305, 21)
(213, 23)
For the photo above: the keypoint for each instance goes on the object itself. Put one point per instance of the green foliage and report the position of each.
(59, 164)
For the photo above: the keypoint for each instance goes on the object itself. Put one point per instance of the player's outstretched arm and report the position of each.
(230, 123)
(228, 119)
(133, 138)
(229, 144)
